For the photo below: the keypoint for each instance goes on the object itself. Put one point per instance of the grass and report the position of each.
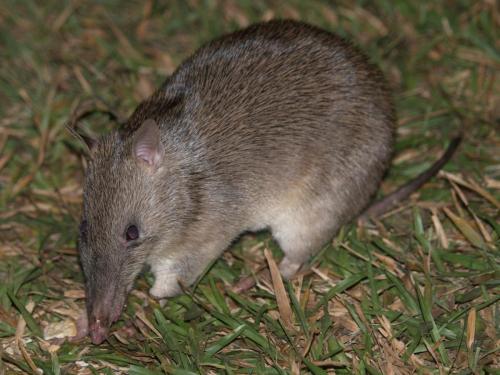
(418, 292)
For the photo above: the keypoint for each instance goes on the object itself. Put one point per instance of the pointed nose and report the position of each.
(98, 331)
(103, 308)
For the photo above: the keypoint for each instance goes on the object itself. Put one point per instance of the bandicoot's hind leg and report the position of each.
(301, 237)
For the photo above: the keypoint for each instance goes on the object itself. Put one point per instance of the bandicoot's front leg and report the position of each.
(183, 268)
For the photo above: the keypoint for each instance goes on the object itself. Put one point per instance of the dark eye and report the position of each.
(132, 233)
(83, 228)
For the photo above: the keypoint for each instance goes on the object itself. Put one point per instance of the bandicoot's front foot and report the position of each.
(165, 287)
(167, 278)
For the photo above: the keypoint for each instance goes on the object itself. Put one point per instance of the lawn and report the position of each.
(416, 291)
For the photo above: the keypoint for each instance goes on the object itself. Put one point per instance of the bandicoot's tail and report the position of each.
(390, 201)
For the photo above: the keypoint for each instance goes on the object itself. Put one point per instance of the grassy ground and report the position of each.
(418, 292)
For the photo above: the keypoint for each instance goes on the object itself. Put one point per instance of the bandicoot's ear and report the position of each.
(147, 144)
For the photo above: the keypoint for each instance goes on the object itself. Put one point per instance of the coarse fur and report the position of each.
(281, 125)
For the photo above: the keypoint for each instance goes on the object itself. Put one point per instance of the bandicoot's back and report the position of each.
(278, 105)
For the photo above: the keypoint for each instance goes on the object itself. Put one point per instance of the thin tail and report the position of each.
(390, 201)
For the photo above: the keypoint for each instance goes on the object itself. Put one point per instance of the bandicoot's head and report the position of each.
(124, 209)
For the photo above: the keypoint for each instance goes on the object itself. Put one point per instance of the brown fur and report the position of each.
(281, 126)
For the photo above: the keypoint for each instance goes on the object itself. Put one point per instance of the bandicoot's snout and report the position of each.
(102, 314)
(98, 330)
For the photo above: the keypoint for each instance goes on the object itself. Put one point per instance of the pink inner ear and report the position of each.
(147, 143)
(147, 153)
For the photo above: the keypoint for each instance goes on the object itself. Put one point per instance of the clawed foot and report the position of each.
(165, 287)
(288, 268)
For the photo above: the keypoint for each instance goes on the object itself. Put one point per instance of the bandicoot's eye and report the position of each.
(83, 228)
(132, 233)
